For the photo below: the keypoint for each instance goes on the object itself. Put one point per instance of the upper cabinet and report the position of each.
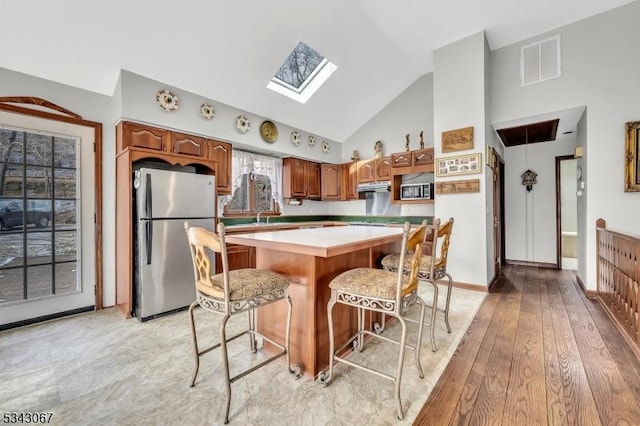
(300, 179)
(383, 169)
(374, 170)
(220, 152)
(142, 136)
(331, 179)
(366, 171)
(417, 161)
(185, 144)
(350, 181)
(177, 148)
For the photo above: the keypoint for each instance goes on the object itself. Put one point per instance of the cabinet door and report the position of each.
(401, 159)
(350, 181)
(313, 180)
(294, 178)
(220, 152)
(331, 179)
(238, 257)
(184, 144)
(148, 137)
(383, 168)
(366, 171)
(422, 157)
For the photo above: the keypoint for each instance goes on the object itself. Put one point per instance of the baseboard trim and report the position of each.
(46, 318)
(528, 263)
(470, 286)
(591, 294)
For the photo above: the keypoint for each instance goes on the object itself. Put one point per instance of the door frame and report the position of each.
(498, 212)
(559, 159)
(8, 103)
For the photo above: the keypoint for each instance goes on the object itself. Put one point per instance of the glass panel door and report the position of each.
(40, 230)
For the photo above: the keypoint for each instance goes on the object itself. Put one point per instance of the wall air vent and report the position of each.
(540, 61)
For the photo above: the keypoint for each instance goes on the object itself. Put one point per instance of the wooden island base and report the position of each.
(309, 290)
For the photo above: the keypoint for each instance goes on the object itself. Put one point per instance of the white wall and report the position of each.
(410, 112)
(459, 101)
(139, 104)
(600, 71)
(530, 217)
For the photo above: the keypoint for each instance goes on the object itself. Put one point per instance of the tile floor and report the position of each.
(97, 368)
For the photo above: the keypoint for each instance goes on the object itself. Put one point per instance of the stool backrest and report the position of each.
(411, 246)
(444, 239)
(201, 240)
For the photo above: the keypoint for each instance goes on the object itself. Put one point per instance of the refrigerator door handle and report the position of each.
(147, 197)
(149, 214)
(149, 239)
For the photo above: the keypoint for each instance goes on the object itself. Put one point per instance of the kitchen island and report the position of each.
(311, 258)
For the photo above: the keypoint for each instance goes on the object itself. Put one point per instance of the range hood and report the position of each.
(375, 187)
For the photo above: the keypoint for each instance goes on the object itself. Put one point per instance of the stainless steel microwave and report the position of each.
(416, 191)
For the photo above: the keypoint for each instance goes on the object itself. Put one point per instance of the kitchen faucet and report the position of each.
(258, 217)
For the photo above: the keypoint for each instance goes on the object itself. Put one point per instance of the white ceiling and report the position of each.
(228, 50)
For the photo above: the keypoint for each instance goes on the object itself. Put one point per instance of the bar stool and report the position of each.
(381, 291)
(229, 293)
(433, 267)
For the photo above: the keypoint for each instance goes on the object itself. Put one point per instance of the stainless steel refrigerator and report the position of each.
(163, 268)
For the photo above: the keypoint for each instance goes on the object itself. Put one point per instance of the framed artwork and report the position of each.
(632, 152)
(459, 165)
(457, 140)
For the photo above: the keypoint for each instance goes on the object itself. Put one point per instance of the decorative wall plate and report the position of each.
(207, 112)
(295, 138)
(167, 100)
(325, 146)
(269, 131)
(312, 140)
(242, 124)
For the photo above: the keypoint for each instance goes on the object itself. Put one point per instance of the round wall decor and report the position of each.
(243, 125)
(312, 140)
(325, 146)
(295, 138)
(207, 112)
(167, 100)
(269, 131)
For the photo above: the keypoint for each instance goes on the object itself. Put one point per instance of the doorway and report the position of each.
(50, 192)
(566, 212)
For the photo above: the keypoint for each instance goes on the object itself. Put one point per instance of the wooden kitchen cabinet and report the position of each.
(350, 181)
(220, 152)
(382, 169)
(143, 136)
(401, 159)
(314, 176)
(366, 171)
(374, 170)
(422, 157)
(238, 257)
(331, 179)
(184, 144)
(300, 179)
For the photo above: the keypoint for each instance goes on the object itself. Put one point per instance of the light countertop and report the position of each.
(322, 242)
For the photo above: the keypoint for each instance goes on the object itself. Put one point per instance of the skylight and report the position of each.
(301, 74)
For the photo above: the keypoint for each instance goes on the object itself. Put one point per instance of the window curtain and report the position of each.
(247, 163)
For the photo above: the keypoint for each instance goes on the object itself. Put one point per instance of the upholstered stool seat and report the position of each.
(430, 270)
(369, 282)
(244, 283)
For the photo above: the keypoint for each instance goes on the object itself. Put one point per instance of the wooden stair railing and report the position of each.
(618, 277)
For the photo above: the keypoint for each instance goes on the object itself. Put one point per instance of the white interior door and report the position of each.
(47, 248)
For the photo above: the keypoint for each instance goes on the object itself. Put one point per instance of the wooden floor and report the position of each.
(538, 352)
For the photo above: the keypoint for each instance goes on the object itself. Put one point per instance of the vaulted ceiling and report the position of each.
(227, 51)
